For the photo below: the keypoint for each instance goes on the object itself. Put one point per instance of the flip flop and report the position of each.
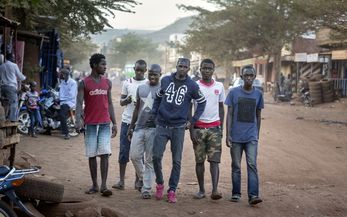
(199, 195)
(216, 196)
(92, 191)
(106, 193)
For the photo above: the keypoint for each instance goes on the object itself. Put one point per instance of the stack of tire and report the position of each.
(315, 92)
(328, 91)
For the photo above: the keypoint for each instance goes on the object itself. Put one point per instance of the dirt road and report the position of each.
(302, 164)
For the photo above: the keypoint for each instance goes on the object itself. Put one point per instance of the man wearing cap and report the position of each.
(242, 133)
(142, 134)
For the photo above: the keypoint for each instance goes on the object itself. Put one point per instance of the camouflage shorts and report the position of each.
(209, 143)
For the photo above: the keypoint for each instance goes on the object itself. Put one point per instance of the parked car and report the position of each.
(256, 83)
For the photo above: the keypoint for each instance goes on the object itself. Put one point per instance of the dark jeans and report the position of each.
(35, 119)
(176, 137)
(251, 149)
(64, 115)
(124, 145)
(11, 105)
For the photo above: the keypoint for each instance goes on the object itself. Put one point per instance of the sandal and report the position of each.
(216, 196)
(199, 195)
(92, 191)
(106, 192)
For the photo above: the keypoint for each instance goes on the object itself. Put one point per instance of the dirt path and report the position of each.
(302, 166)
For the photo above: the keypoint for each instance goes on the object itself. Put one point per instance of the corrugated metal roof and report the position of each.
(4, 21)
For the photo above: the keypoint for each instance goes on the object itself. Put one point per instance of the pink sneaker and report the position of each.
(159, 192)
(171, 197)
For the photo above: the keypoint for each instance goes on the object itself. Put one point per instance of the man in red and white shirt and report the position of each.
(206, 134)
(95, 92)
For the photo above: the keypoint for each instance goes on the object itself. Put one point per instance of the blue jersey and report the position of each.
(173, 101)
(244, 121)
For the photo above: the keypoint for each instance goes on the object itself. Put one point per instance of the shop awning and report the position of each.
(4, 21)
(339, 55)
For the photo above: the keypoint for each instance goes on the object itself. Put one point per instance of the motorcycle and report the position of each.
(306, 97)
(49, 109)
(281, 94)
(10, 178)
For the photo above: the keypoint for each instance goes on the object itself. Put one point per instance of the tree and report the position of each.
(78, 50)
(72, 17)
(132, 47)
(261, 26)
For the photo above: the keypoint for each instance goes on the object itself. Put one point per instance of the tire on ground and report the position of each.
(314, 92)
(328, 97)
(39, 189)
(6, 210)
(59, 210)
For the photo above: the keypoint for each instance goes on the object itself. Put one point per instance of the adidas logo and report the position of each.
(97, 92)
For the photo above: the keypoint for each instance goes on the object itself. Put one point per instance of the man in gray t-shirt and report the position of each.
(142, 130)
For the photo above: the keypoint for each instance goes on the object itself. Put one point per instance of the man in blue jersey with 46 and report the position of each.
(171, 108)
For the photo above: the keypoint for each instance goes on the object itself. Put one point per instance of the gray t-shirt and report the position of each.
(146, 93)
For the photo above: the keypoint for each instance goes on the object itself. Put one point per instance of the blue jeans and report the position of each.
(35, 119)
(11, 106)
(251, 149)
(176, 137)
(124, 144)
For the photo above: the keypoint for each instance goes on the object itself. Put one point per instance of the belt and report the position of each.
(206, 128)
(172, 127)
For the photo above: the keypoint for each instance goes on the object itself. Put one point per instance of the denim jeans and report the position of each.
(250, 149)
(64, 114)
(124, 144)
(176, 137)
(11, 107)
(35, 119)
(141, 154)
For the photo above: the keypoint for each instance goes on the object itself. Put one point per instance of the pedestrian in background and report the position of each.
(242, 133)
(31, 102)
(128, 99)
(67, 97)
(10, 82)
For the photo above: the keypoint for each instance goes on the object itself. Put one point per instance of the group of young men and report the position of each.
(160, 110)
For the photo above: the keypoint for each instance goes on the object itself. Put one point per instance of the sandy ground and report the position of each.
(302, 166)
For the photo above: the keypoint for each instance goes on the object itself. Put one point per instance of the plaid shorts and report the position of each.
(209, 143)
(98, 140)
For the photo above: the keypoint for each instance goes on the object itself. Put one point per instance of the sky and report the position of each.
(155, 14)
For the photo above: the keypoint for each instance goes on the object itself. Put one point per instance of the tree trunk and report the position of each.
(276, 68)
(228, 71)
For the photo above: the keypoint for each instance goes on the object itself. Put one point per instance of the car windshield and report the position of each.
(239, 82)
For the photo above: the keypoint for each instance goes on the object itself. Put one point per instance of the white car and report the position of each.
(256, 83)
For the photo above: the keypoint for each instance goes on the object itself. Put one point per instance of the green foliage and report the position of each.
(72, 17)
(260, 27)
(78, 49)
(132, 47)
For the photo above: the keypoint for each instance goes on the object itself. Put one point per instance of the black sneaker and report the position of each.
(138, 185)
(255, 200)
